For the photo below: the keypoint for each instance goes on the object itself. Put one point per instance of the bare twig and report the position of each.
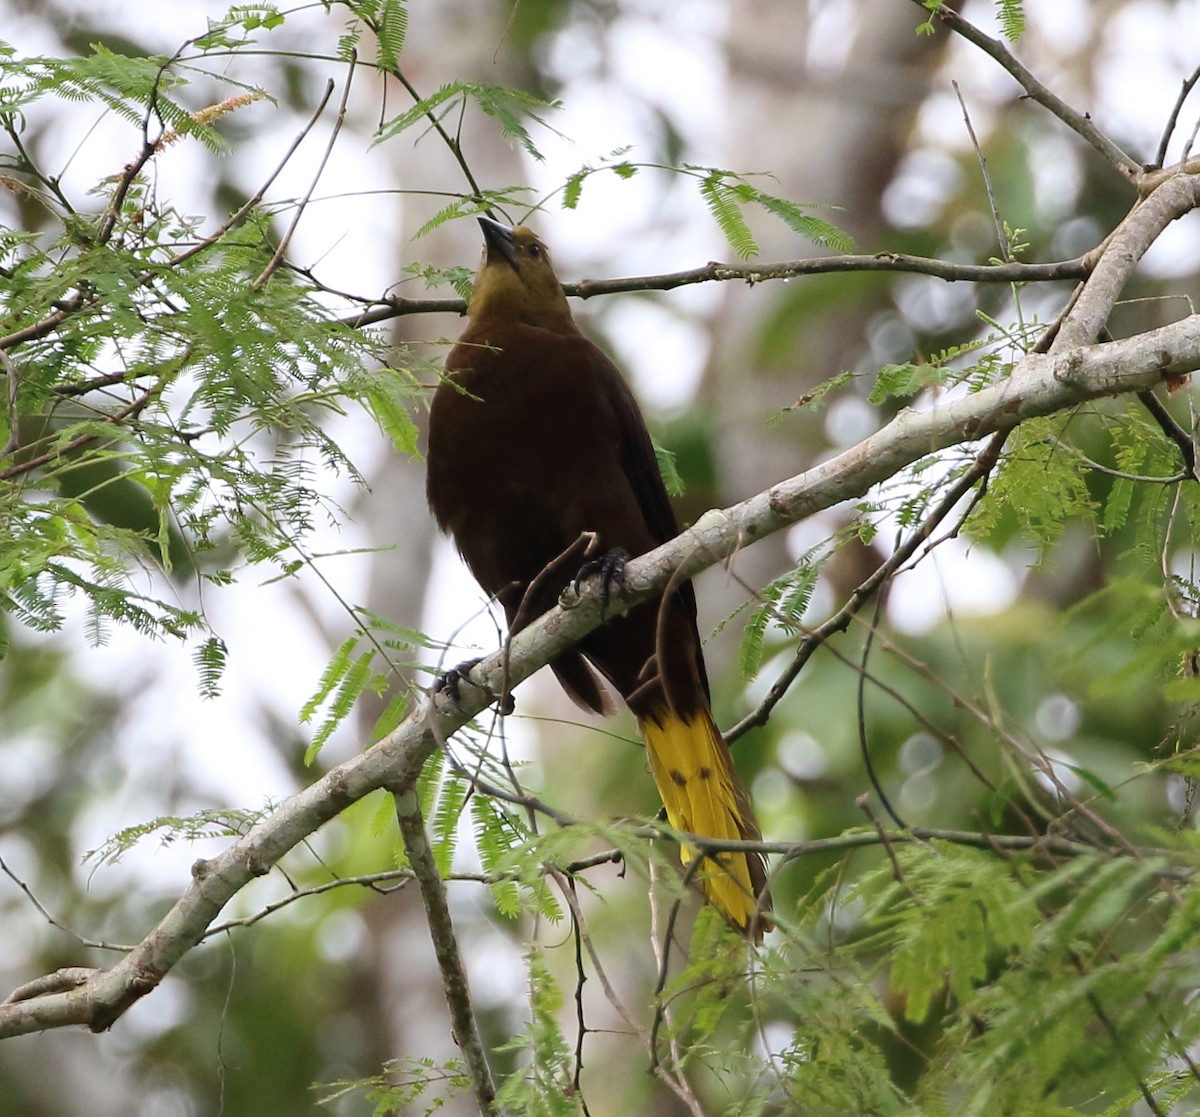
(445, 945)
(1176, 433)
(54, 921)
(581, 1028)
(280, 252)
(396, 878)
(1126, 166)
(1001, 239)
(984, 463)
(451, 143)
(1185, 88)
(115, 419)
(1035, 758)
(714, 272)
(256, 198)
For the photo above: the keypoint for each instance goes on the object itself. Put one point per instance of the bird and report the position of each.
(536, 443)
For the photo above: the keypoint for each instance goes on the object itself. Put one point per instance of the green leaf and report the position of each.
(210, 659)
(354, 681)
(782, 603)
(390, 29)
(510, 107)
(820, 232)
(573, 189)
(725, 207)
(667, 467)
(1011, 16)
(903, 381)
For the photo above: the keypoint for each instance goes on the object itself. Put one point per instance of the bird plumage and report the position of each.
(534, 440)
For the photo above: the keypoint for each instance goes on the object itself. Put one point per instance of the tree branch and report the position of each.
(1079, 123)
(463, 1027)
(714, 272)
(840, 621)
(1039, 384)
(1126, 245)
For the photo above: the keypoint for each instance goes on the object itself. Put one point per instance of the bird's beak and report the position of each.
(499, 241)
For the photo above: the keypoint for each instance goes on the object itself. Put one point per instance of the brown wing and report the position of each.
(640, 465)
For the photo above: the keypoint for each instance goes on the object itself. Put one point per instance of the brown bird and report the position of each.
(536, 440)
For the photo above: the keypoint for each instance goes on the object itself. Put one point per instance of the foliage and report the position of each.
(1019, 937)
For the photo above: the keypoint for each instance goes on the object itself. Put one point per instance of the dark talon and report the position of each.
(450, 681)
(611, 568)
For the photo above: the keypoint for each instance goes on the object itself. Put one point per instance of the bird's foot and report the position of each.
(452, 679)
(611, 568)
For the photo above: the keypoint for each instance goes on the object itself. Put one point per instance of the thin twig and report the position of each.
(281, 251)
(454, 146)
(54, 921)
(1001, 239)
(77, 443)
(1185, 88)
(1140, 478)
(31, 168)
(463, 1027)
(661, 1010)
(983, 464)
(610, 992)
(923, 720)
(715, 272)
(1035, 758)
(258, 195)
(581, 1028)
(860, 709)
(898, 876)
(494, 791)
(675, 1082)
(12, 382)
(373, 881)
(1125, 165)
(1176, 433)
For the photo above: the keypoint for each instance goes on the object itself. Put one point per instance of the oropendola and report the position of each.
(535, 441)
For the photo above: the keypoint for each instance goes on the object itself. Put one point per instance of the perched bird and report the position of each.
(534, 440)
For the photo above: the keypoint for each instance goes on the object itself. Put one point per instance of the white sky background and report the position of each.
(670, 53)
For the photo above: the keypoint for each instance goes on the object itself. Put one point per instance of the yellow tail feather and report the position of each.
(704, 795)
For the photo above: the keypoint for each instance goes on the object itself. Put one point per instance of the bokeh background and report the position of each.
(845, 105)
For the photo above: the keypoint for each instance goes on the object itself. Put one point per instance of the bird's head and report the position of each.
(516, 281)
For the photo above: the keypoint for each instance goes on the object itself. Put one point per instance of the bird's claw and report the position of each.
(452, 679)
(611, 568)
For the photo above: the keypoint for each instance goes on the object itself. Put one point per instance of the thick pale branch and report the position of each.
(1128, 243)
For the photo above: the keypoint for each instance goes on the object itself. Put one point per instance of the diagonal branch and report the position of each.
(1079, 123)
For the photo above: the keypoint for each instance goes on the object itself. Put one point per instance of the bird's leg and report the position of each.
(450, 681)
(611, 568)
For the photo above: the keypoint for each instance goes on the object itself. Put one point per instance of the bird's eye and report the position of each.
(535, 251)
